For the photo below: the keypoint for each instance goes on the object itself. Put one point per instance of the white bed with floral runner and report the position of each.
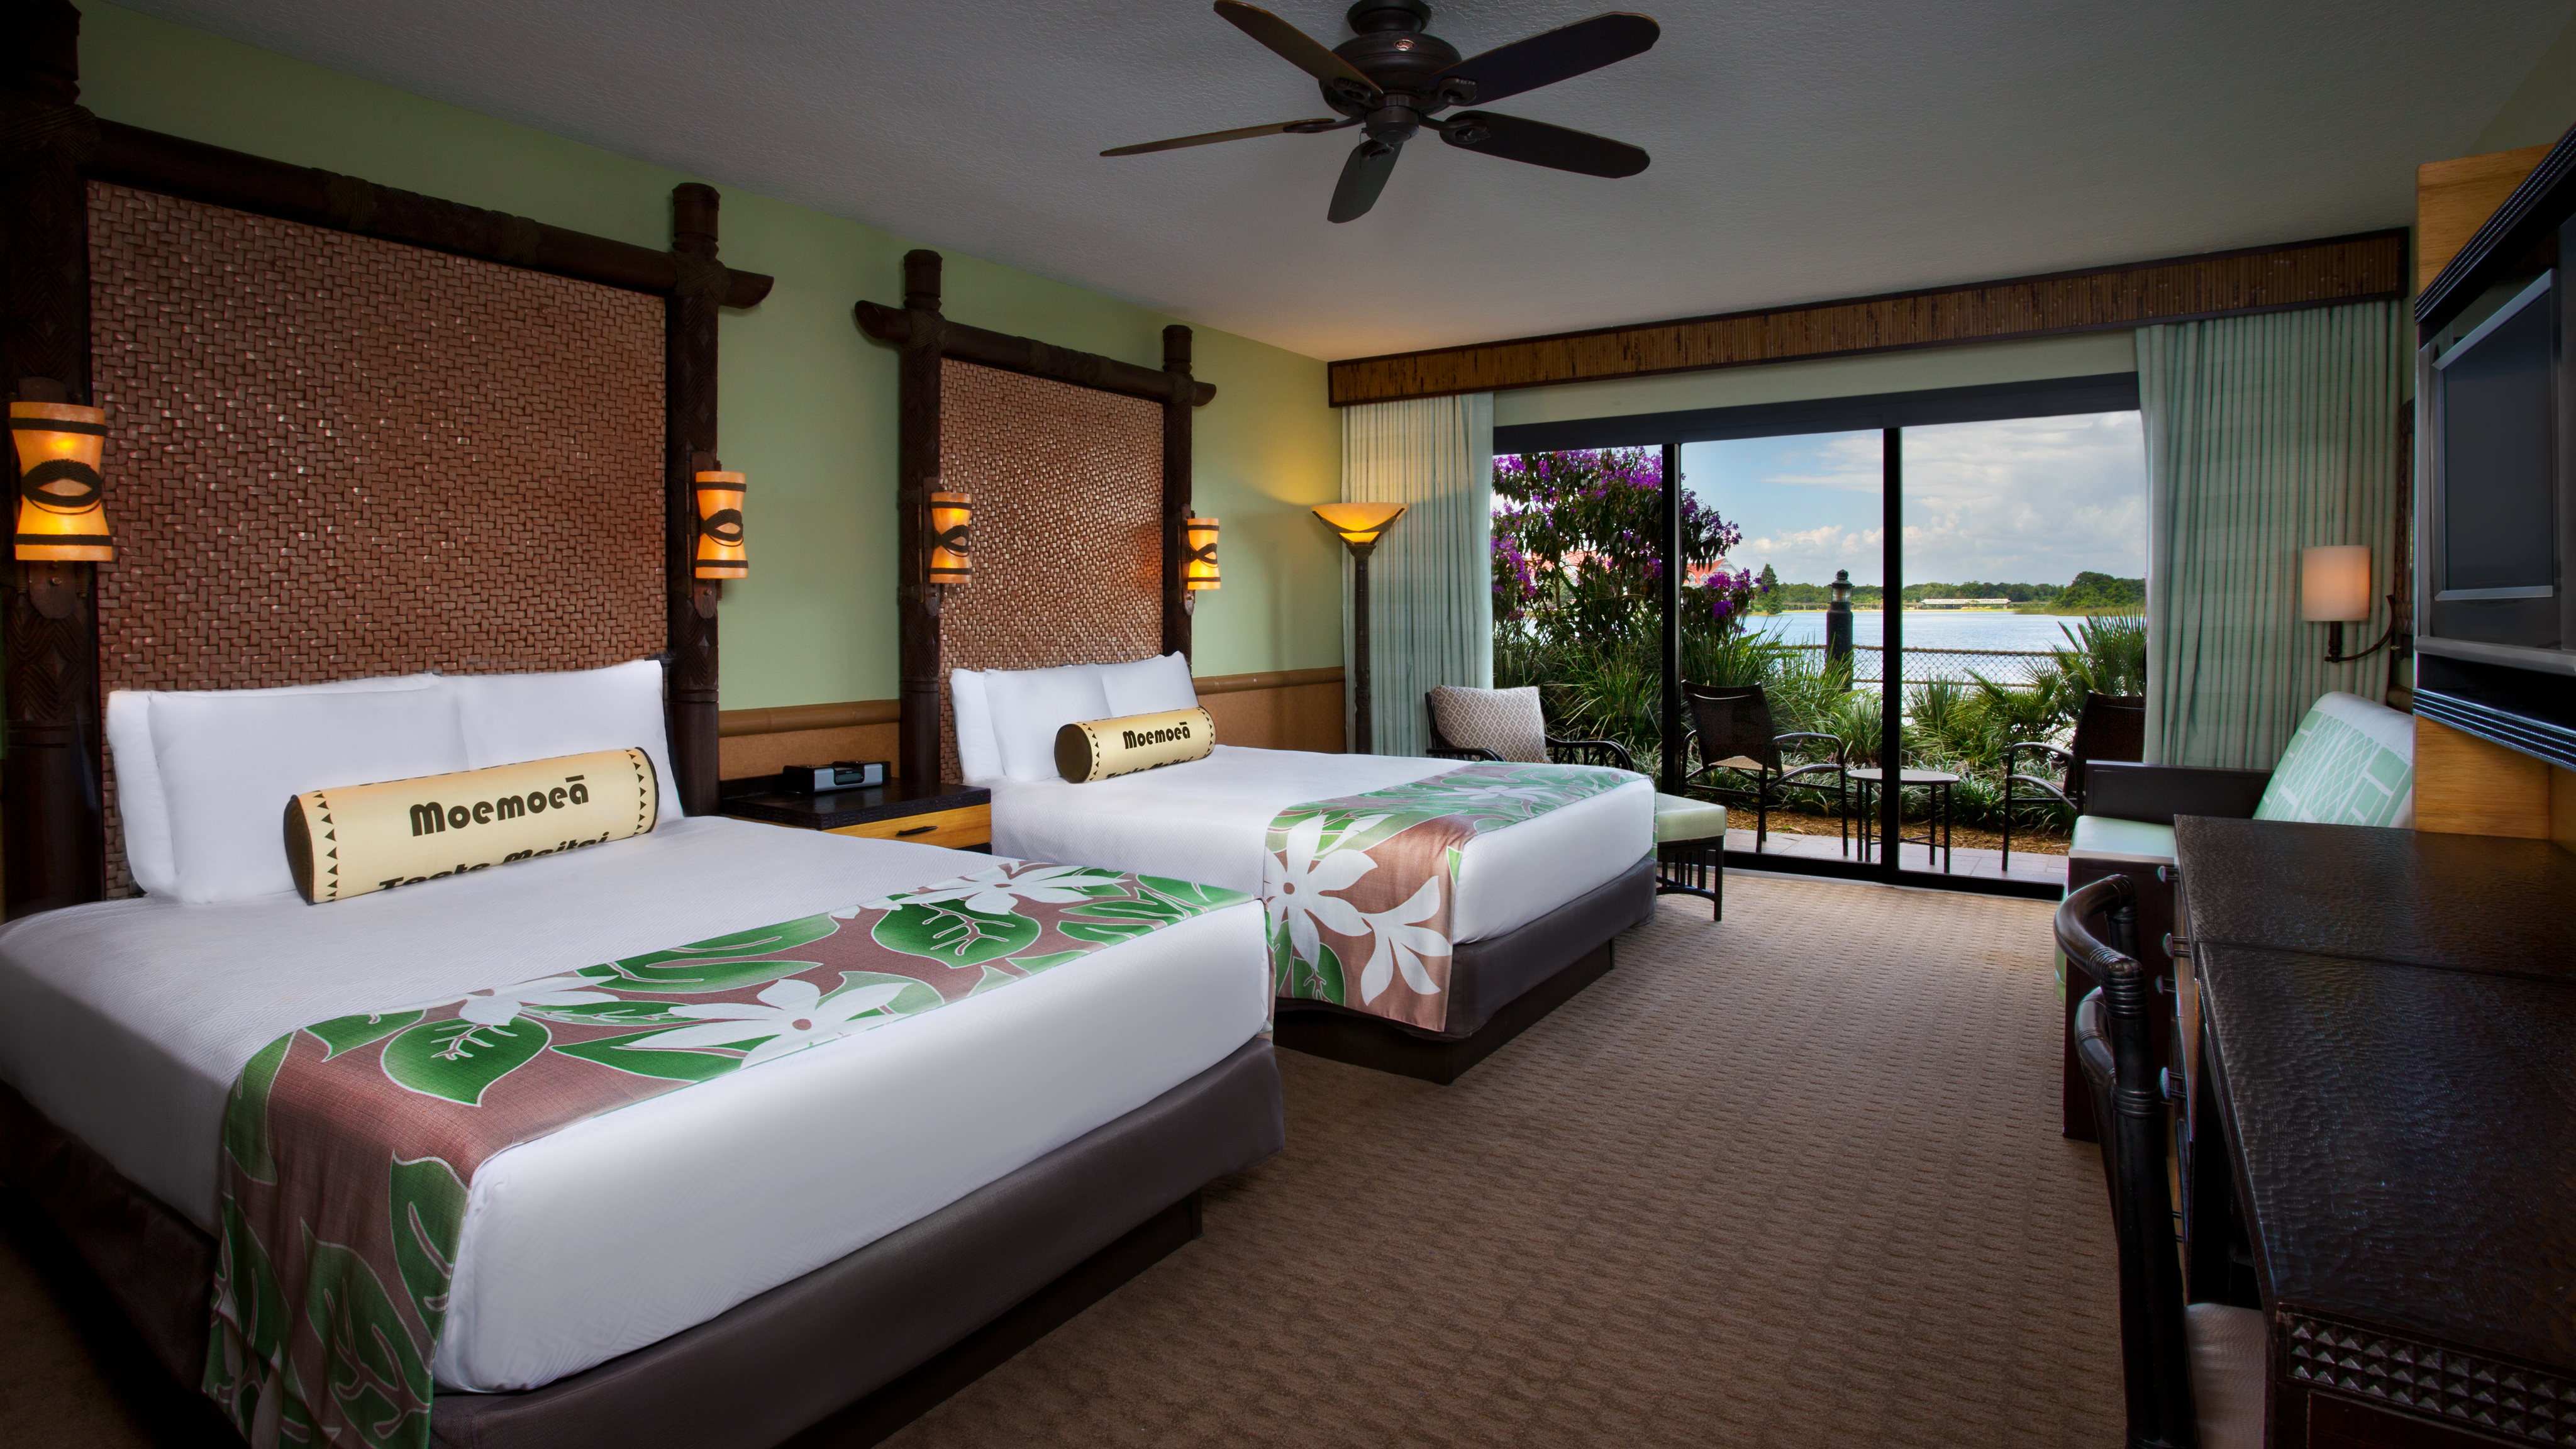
(1215, 817)
(130, 1021)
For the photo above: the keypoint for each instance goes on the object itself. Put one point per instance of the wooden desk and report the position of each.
(2381, 1148)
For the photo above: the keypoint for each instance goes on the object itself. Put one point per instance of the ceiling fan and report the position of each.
(1392, 78)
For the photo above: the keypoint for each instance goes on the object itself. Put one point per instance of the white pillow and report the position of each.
(141, 804)
(979, 754)
(229, 763)
(510, 719)
(1149, 686)
(1029, 705)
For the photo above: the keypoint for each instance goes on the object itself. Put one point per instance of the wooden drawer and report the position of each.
(953, 828)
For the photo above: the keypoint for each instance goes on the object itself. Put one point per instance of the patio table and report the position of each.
(1938, 782)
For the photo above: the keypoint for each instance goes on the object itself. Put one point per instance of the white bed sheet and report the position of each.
(125, 1023)
(1208, 820)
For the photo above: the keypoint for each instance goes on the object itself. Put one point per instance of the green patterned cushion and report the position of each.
(2352, 762)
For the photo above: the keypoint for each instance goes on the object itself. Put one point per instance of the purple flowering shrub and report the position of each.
(1575, 555)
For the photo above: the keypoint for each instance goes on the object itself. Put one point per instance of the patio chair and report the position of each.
(1507, 725)
(1732, 726)
(2109, 727)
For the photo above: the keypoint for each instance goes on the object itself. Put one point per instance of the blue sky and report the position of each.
(2030, 500)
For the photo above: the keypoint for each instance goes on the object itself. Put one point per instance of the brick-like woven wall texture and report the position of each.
(1067, 538)
(332, 456)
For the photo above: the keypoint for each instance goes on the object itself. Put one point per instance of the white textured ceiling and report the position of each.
(1802, 150)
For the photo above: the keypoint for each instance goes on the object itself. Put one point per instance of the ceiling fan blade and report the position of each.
(1297, 48)
(1570, 50)
(1541, 144)
(1239, 134)
(1363, 177)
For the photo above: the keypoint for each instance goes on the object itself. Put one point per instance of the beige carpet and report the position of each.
(1790, 1180)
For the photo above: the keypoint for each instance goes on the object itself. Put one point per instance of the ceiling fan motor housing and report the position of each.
(1391, 48)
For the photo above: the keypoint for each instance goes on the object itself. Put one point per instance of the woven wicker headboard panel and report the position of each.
(331, 455)
(1068, 485)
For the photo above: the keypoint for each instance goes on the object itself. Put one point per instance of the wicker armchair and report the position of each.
(1731, 726)
(1607, 753)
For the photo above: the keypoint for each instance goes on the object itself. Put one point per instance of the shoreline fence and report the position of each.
(2011, 668)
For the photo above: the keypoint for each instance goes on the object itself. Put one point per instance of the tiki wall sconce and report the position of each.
(62, 513)
(952, 517)
(720, 553)
(1198, 561)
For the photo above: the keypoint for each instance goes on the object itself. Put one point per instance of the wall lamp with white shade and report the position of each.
(2334, 590)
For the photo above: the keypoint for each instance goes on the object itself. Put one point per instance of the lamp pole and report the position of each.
(1360, 525)
(1365, 742)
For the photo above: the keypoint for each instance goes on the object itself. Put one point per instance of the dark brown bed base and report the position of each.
(1498, 987)
(845, 1355)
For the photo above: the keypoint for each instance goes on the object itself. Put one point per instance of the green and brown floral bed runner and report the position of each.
(1372, 879)
(348, 1145)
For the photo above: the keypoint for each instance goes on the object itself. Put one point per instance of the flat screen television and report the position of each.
(2495, 634)
(2496, 500)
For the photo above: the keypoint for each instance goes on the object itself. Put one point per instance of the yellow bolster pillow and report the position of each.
(357, 839)
(1096, 749)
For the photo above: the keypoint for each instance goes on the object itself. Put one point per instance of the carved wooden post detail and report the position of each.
(1176, 488)
(917, 473)
(689, 341)
(55, 831)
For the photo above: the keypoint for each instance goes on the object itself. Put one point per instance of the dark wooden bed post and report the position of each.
(1176, 487)
(55, 825)
(917, 465)
(690, 402)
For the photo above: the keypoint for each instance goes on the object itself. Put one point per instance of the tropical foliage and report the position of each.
(1575, 608)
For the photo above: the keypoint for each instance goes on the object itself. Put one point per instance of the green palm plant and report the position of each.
(2105, 654)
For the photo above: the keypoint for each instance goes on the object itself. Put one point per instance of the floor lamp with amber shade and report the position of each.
(1361, 525)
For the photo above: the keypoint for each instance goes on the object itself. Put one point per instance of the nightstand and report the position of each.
(922, 812)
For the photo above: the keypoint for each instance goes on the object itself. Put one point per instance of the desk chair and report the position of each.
(2194, 1373)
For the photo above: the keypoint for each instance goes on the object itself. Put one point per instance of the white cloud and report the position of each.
(2030, 499)
(1843, 462)
(1812, 555)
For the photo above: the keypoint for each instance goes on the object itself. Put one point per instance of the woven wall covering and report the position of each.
(1068, 485)
(332, 456)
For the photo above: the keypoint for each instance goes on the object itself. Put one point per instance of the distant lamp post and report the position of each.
(1361, 525)
(1838, 620)
(2334, 590)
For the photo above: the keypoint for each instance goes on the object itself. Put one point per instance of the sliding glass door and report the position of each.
(1782, 607)
(1799, 514)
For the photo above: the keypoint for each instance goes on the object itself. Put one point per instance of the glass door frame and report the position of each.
(1889, 414)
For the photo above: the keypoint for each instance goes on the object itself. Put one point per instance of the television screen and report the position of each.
(2498, 525)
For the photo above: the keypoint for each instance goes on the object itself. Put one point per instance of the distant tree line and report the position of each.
(2088, 590)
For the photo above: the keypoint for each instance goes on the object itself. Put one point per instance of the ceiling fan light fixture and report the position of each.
(1392, 71)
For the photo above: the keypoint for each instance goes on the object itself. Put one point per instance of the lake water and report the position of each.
(1929, 629)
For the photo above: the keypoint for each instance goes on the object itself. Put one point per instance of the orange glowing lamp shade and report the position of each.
(720, 540)
(952, 516)
(1198, 565)
(62, 515)
(1360, 524)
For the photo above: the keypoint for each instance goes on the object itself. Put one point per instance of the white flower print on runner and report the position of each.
(1372, 879)
(1294, 882)
(791, 1015)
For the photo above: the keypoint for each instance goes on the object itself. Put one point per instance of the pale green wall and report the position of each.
(808, 403)
(2037, 359)
(2542, 107)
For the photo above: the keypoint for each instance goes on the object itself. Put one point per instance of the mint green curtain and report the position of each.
(1430, 581)
(2265, 435)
